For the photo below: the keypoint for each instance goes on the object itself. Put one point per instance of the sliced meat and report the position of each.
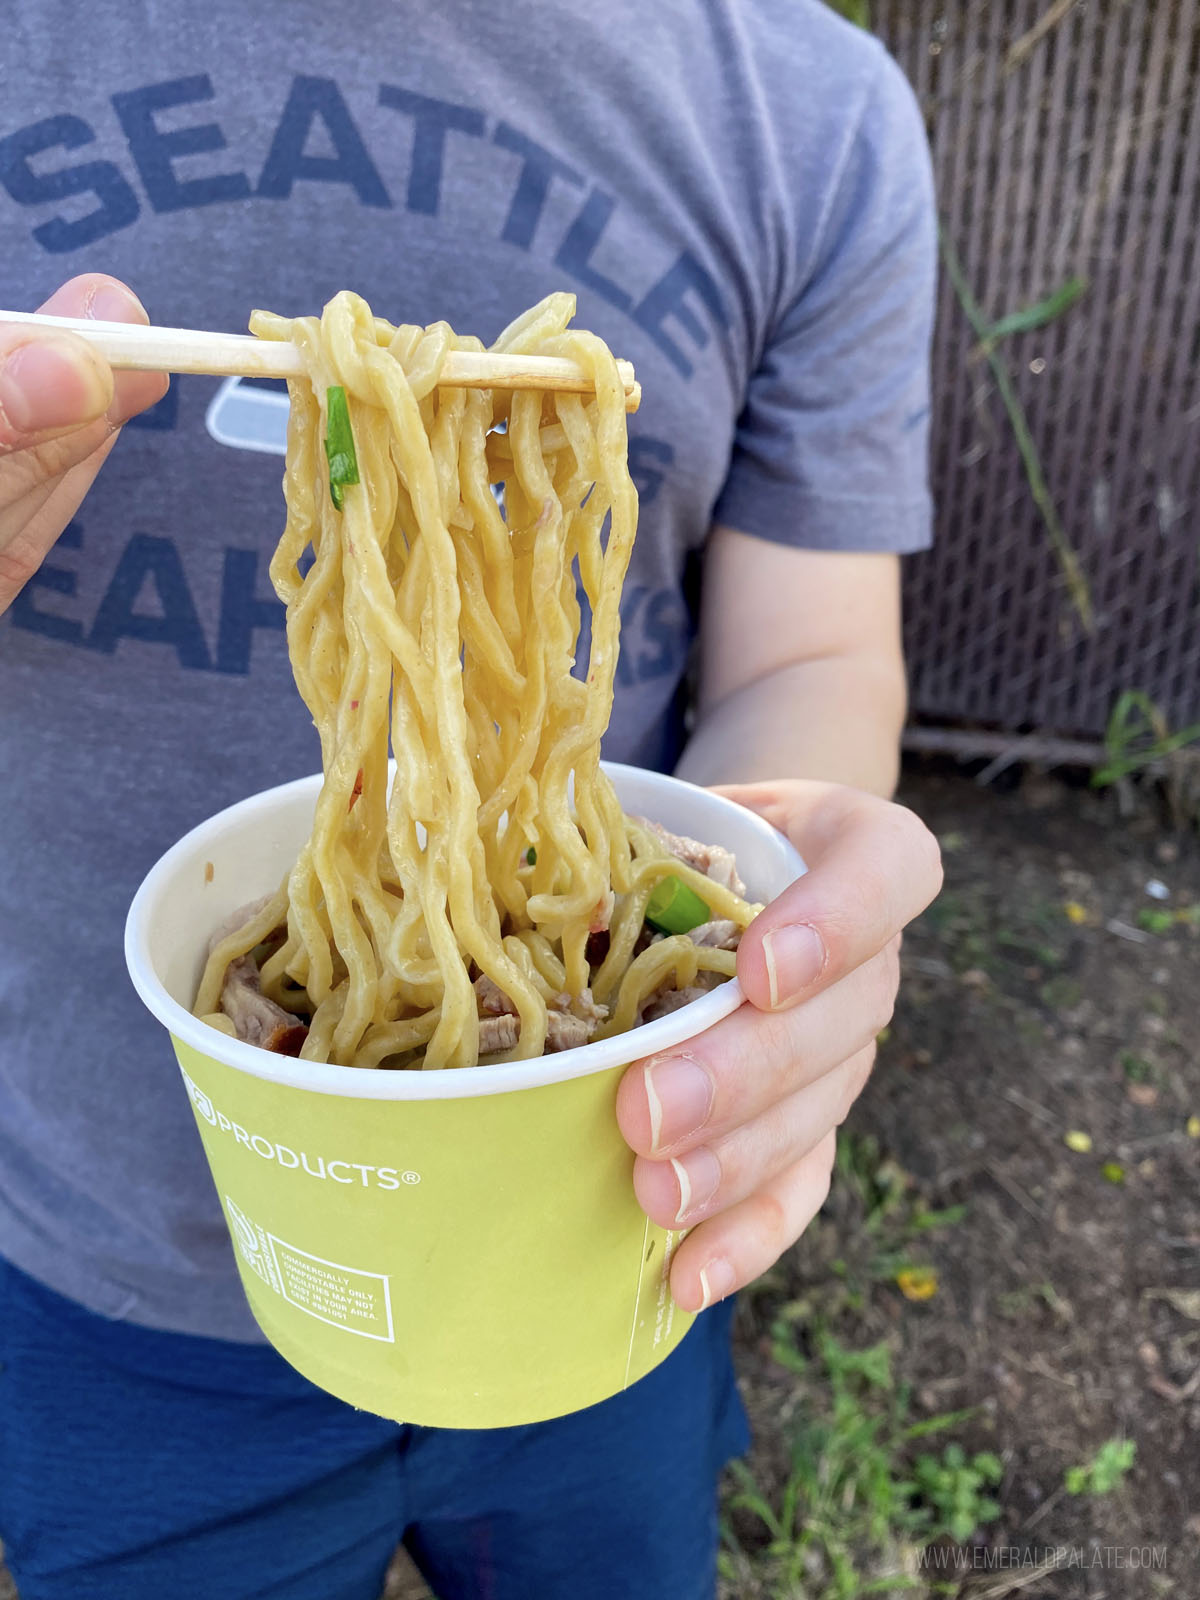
(663, 1001)
(498, 1033)
(713, 860)
(565, 1032)
(722, 933)
(493, 1002)
(257, 1019)
(572, 1020)
(238, 919)
(582, 1006)
(288, 1041)
(668, 1000)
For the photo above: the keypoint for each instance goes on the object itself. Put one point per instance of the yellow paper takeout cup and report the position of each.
(459, 1249)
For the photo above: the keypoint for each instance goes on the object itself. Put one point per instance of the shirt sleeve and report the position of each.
(831, 448)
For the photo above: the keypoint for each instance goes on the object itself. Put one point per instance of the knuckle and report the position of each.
(15, 452)
(776, 1048)
(76, 295)
(840, 926)
(747, 1156)
(866, 1065)
(846, 1098)
(74, 288)
(824, 1181)
(916, 840)
(849, 1096)
(17, 566)
(891, 965)
(855, 1081)
(768, 1219)
(923, 842)
(882, 1006)
(882, 988)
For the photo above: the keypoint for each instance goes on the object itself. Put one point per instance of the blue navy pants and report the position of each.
(138, 1465)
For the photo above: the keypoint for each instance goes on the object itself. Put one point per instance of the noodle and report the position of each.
(434, 624)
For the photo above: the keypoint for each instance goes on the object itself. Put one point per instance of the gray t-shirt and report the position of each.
(738, 191)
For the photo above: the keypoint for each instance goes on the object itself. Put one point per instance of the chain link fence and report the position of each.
(1066, 138)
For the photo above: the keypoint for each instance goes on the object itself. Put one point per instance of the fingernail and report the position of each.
(679, 1094)
(699, 1173)
(50, 383)
(794, 957)
(716, 1280)
(112, 303)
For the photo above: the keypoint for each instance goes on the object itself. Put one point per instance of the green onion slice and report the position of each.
(674, 908)
(339, 444)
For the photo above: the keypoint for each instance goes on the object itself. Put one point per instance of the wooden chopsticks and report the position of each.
(131, 345)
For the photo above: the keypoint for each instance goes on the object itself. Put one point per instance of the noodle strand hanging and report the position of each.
(494, 891)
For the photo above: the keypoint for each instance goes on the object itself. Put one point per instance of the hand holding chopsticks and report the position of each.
(135, 346)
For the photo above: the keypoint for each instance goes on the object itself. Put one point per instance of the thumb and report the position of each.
(50, 384)
(53, 382)
(873, 866)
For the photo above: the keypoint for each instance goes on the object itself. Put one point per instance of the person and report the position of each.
(739, 193)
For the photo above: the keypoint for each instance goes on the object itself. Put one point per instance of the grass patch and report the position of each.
(1030, 1300)
(858, 1501)
(1060, 993)
(850, 1493)
(895, 1216)
(1136, 1068)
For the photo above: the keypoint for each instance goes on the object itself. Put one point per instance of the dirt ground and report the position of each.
(1037, 1004)
(1047, 994)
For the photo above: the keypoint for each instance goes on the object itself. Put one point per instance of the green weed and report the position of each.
(1032, 949)
(1105, 1471)
(953, 1490)
(990, 336)
(892, 1216)
(1137, 734)
(1025, 1301)
(1136, 1068)
(1060, 993)
(1160, 920)
(856, 1502)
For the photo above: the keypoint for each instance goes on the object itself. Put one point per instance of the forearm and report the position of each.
(837, 718)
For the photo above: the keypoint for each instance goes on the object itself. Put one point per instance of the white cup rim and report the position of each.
(436, 1084)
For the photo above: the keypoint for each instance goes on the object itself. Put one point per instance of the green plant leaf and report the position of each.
(1104, 1472)
(948, 1419)
(339, 444)
(1126, 764)
(1037, 315)
(1031, 461)
(946, 1218)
